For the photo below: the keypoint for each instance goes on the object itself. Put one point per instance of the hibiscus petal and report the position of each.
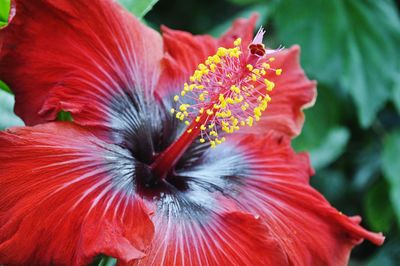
(60, 203)
(306, 227)
(293, 91)
(232, 238)
(76, 56)
(241, 28)
(183, 52)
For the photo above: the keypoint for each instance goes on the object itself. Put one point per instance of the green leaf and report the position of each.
(250, 2)
(391, 168)
(396, 91)
(107, 261)
(7, 116)
(322, 134)
(138, 7)
(4, 87)
(331, 147)
(378, 210)
(350, 43)
(368, 164)
(331, 183)
(4, 12)
(388, 255)
(64, 116)
(262, 9)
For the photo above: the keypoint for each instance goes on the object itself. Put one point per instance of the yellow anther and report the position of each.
(186, 87)
(212, 143)
(238, 99)
(266, 65)
(222, 51)
(235, 122)
(270, 85)
(230, 101)
(216, 59)
(237, 42)
(213, 67)
(235, 89)
(257, 111)
(224, 94)
(250, 121)
(235, 52)
(272, 59)
(183, 107)
(202, 67)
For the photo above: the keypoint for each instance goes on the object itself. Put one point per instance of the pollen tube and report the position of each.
(226, 92)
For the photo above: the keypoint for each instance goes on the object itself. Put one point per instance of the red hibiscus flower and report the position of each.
(129, 180)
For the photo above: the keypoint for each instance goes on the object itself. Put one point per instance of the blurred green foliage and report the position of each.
(351, 47)
(4, 11)
(138, 7)
(7, 116)
(348, 44)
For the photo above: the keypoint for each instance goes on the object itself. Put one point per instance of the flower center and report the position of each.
(226, 92)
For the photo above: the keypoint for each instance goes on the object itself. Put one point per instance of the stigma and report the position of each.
(228, 91)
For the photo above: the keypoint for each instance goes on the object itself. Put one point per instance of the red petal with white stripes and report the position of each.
(60, 202)
(77, 56)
